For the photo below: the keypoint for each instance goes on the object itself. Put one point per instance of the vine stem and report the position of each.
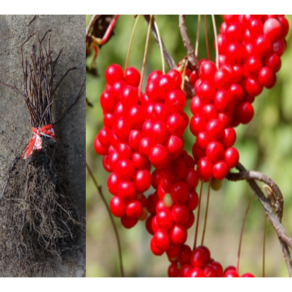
(216, 41)
(264, 246)
(160, 46)
(207, 40)
(275, 220)
(206, 214)
(241, 233)
(145, 55)
(99, 189)
(198, 216)
(198, 36)
(131, 41)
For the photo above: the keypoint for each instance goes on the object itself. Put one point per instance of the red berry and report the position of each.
(178, 234)
(247, 275)
(113, 73)
(132, 76)
(195, 273)
(108, 101)
(209, 271)
(231, 274)
(214, 151)
(198, 258)
(128, 222)
(272, 29)
(154, 248)
(176, 124)
(184, 255)
(220, 170)
(125, 169)
(205, 169)
(244, 112)
(176, 77)
(191, 178)
(164, 219)
(229, 137)
(118, 206)
(134, 209)
(193, 200)
(173, 270)
(231, 157)
(180, 213)
(158, 156)
(273, 61)
(179, 192)
(126, 190)
(142, 180)
(101, 150)
(162, 239)
(175, 101)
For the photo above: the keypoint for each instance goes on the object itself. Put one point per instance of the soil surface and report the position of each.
(68, 33)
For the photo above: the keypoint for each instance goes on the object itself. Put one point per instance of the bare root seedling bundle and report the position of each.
(40, 221)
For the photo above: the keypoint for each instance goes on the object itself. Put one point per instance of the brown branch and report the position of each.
(110, 215)
(187, 43)
(90, 25)
(251, 177)
(168, 59)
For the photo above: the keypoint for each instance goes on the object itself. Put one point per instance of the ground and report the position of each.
(67, 34)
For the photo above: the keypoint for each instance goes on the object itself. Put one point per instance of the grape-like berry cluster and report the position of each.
(249, 49)
(145, 130)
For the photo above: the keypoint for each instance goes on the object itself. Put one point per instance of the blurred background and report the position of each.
(264, 145)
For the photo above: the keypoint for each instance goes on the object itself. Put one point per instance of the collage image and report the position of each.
(145, 146)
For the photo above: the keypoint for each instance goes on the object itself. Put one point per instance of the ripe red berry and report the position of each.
(178, 234)
(175, 101)
(198, 258)
(272, 29)
(118, 206)
(244, 112)
(173, 270)
(180, 213)
(126, 190)
(128, 222)
(113, 73)
(231, 157)
(142, 180)
(132, 76)
(164, 219)
(134, 209)
(205, 169)
(158, 156)
(179, 192)
(162, 239)
(193, 200)
(220, 170)
(214, 151)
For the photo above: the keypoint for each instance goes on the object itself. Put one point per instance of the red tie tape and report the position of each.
(35, 142)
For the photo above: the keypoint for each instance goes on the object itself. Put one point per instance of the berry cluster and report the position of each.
(144, 130)
(197, 263)
(172, 204)
(118, 142)
(249, 48)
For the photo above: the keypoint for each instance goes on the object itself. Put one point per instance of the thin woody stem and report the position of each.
(206, 213)
(145, 56)
(198, 36)
(111, 218)
(207, 40)
(198, 216)
(241, 233)
(131, 42)
(160, 47)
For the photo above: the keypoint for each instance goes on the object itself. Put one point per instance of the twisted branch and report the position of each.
(251, 177)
